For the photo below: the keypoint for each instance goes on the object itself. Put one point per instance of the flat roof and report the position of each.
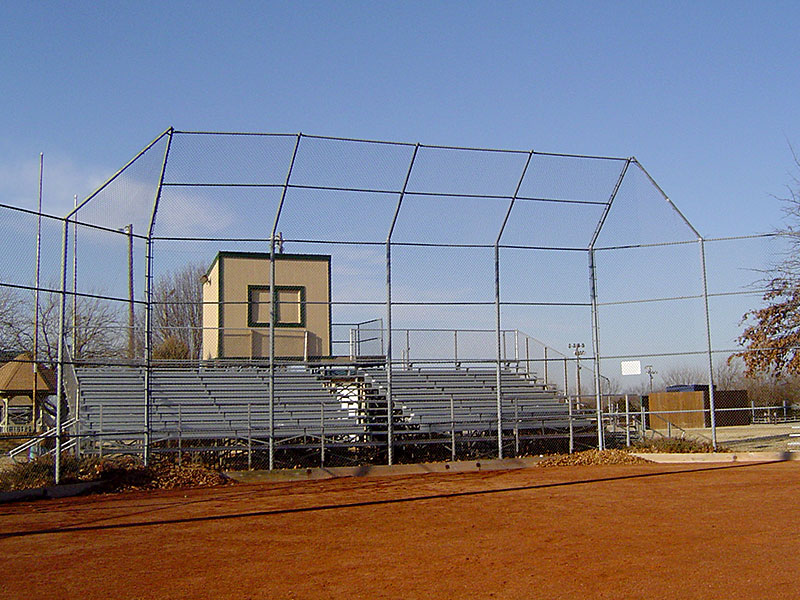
(266, 256)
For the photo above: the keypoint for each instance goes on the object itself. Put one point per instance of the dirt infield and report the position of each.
(627, 531)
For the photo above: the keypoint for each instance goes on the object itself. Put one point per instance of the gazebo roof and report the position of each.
(16, 376)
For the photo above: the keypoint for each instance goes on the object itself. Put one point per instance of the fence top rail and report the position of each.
(396, 143)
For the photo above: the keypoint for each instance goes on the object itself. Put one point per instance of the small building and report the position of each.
(21, 413)
(688, 407)
(237, 303)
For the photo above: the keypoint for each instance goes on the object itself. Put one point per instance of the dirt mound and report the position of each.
(593, 457)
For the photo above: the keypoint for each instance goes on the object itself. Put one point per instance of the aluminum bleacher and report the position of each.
(209, 402)
(232, 402)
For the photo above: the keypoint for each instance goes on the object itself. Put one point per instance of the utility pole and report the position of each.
(650, 372)
(128, 229)
(579, 351)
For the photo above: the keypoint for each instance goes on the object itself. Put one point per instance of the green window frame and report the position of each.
(251, 305)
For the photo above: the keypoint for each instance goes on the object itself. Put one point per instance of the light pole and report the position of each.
(35, 365)
(579, 351)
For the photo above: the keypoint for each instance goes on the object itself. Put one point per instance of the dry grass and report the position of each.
(120, 474)
(675, 445)
(593, 457)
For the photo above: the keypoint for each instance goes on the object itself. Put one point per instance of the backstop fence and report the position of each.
(379, 302)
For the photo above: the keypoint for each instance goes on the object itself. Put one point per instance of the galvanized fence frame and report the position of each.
(391, 363)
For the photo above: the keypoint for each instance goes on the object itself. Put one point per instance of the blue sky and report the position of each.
(703, 94)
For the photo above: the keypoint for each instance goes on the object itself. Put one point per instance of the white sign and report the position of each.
(631, 367)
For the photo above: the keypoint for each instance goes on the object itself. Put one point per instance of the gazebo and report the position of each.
(16, 392)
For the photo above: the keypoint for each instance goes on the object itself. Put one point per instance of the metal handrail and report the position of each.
(52, 432)
(685, 433)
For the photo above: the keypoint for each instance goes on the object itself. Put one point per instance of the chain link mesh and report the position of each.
(450, 269)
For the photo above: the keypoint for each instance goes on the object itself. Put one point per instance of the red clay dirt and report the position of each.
(623, 531)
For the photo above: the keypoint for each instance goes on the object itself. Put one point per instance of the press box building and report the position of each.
(236, 306)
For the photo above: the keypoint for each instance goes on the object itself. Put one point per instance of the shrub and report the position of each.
(676, 445)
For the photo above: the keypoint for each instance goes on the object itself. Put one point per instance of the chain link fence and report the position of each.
(260, 301)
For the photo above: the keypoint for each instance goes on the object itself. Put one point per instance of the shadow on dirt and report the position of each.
(347, 505)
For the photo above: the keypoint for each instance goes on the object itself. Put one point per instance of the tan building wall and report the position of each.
(677, 401)
(725, 401)
(211, 313)
(240, 315)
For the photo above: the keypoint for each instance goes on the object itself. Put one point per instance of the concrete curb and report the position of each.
(51, 491)
(719, 457)
(468, 466)
(464, 466)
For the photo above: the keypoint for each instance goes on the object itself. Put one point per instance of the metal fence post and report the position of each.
(100, 437)
(627, 421)
(61, 332)
(452, 429)
(148, 350)
(322, 434)
(501, 334)
(642, 417)
(388, 367)
(180, 436)
(272, 315)
(148, 315)
(249, 438)
(499, 363)
(596, 351)
(593, 294)
(79, 444)
(711, 405)
(389, 399)
(75, 345)
(528, 359)
(546, 365)
(571, 426)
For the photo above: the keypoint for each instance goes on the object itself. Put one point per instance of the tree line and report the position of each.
(99, 329)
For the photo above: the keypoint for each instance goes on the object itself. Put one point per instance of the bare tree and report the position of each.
(178, 311)
(683, 375)
(727, 375)
(610, 385)
(12, 311)
(98, 330)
